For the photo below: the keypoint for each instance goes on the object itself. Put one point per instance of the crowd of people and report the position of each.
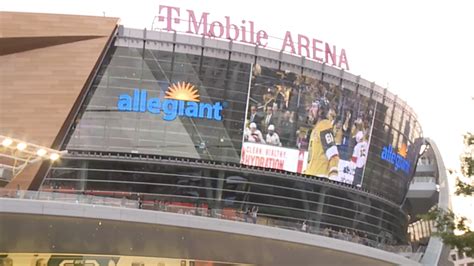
(354, 236)
(348, 235)
(292, 122)
(249, 215)
(385, 243)
(263, 128)
(295, 111)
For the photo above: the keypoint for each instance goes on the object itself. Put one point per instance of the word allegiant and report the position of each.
(171, 108)
(398, 161)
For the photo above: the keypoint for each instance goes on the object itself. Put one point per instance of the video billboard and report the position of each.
(157, 102)
(300, 124)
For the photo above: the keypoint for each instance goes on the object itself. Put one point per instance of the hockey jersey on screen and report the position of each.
(323, 157)
(359, 157)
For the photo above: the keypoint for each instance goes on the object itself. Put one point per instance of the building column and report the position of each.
(319, 215)
(82, 176)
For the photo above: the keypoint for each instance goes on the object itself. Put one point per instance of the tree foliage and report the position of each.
(467, 167)
(445, 221)
(463, 188)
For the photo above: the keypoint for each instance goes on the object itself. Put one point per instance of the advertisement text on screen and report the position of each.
(397, 159)
(246, 32)
(181, 99)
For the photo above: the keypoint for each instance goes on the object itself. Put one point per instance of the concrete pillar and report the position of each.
(82, 176)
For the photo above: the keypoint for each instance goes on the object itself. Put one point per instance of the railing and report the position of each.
(74, 154)
(227, 214)
(423, 179)
(68, 197)
(423, 168)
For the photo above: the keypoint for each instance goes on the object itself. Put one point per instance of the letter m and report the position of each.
(194, 26)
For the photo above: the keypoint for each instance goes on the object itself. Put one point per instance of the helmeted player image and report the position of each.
(323, 157)
(359, 157)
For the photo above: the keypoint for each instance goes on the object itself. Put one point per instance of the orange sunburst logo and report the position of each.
(403, 150)
(183, 91)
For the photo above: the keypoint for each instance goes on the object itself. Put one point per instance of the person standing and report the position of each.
(140, 202)
(287, 130)
(253, 134)
(272, 137)
(304, 227)
(268, 119)
(247, 215)
(255, 117)
(254, 214)
(277, 114)
(323, 156)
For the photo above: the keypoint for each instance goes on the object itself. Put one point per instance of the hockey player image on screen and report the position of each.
(359, 158)
(323, 157)
(252, 134)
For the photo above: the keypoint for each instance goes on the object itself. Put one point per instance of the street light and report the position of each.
(54, 156)
(21, 146)
(41, 152)
(7, 142)
(16, 154)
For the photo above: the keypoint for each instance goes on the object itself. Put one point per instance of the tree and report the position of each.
(445, 221)
(446, 224)
(467, 167)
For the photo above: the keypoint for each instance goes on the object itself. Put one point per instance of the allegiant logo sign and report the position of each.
(181, 99)
(397, 159)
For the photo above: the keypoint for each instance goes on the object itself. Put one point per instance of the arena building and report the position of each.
(186, 149)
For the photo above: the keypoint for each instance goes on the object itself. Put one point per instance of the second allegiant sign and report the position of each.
(397, 159)
(181, 99)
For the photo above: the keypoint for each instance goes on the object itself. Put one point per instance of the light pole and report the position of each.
(16, 154)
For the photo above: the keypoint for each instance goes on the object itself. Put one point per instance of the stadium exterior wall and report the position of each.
(120, 146)
(69, 228)
(46, 63)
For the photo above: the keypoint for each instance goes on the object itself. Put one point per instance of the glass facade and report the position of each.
(103, 127)
(127, 112)
(282, 200)
(389, 131)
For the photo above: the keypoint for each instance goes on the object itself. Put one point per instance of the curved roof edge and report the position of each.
(436, 249)
(247, 53)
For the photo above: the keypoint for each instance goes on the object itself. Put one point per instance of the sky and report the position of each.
(422, 51)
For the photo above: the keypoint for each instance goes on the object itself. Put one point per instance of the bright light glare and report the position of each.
(422, 149)
(7, 142)
(54, 156)
(21, 146)
(41, 152)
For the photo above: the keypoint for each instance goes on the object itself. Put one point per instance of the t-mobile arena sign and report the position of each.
(246, 32)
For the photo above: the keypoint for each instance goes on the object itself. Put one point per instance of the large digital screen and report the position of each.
(173, 104)
(304, 125)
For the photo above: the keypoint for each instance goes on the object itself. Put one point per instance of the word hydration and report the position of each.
(171, 108)
(395, 159)
(201, 24)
